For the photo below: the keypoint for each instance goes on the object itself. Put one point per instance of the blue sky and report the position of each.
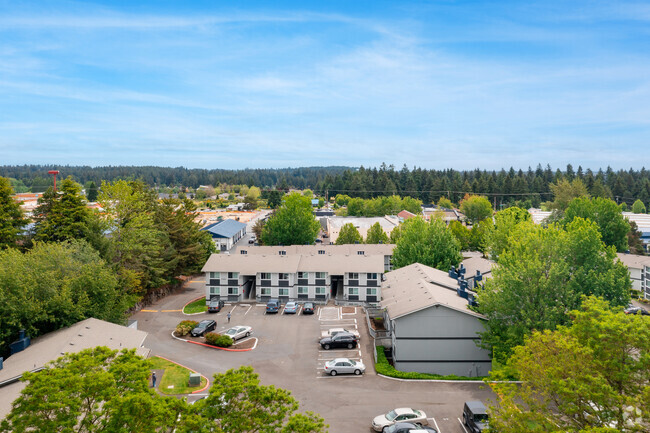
(436, 84)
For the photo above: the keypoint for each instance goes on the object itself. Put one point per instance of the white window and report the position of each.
(321, 251)
(265, 276)
(353, 291)
(233, 275)
(214, 290)
(303, 290)
(244, 252)
(214, 275)
(283, 292)
(302, 275)
(371, 276)
(321, 275)
(233, 290)
(282, 252)
(371, 292)
(360, 253)
(354, 276)
(320, 290)
(283, 276)
(266, 291)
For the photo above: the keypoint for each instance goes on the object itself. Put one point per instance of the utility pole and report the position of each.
(54, 173)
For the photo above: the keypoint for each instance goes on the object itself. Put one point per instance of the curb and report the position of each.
(192, 314)
(481, 382)
(224, 348)
(194, 371)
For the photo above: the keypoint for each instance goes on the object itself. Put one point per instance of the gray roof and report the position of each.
(348, 249)
(417, 287)
(473, 264)
(633, 260)
(386, 222)
(82, 335)
(225, 229)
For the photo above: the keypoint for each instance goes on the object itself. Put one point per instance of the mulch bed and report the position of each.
(248, 344)
(348, 310)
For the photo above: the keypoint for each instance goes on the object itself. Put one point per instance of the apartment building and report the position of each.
(639, 267)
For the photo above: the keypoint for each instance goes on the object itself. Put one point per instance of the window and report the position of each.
(371, 276)
(214, 275)
(283, 292)
(265, 276)
(232, 275)
(266, 291)
(282, 252)
(303, 290)
(371, 292)
(303, 275)
(353, 291)
(360, 253)
(283, 276)
(233, 290)
(321, 275)
(354, 275)
(320, 290)
(321, 251)
(214, 290)
(244, 252)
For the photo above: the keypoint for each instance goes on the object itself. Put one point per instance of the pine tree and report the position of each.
(12, 220)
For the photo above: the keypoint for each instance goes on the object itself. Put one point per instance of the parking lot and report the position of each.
(288, 355)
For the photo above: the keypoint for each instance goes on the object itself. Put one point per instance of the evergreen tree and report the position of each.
(91, 192)
(12, 220)
(638, 207)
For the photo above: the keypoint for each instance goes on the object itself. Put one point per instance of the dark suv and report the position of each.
(204, 327)
(215, 306)
(408, 427)
(475, 416)
(342, 339)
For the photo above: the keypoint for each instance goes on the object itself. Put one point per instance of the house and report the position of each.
(538, 216)
(404, 215)
(639, 267)
(447, 215)
(236, 207)
(226, 233)
(345, 273)
(431, 328)
(82, 335)
(474, 270)
(362, 224)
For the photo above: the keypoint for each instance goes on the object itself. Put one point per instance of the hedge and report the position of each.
(218, 340)
(185, 327)
(383, 367)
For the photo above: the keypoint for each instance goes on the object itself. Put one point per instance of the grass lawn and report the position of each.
(174, 375)
(197, 306)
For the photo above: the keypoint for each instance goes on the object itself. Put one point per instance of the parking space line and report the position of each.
(233, 308)
(339, 376)
(462, 425)
(437, 428)
(249, 308)
(299, 309)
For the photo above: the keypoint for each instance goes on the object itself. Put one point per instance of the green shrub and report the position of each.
(218, 340)
(383, 367)
(185, 327)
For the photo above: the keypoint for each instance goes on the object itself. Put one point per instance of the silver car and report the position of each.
(237, 332)
(344, 365)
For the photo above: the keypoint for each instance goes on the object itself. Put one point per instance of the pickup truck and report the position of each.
(333, 331)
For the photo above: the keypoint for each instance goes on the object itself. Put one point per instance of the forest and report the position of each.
(528, 187)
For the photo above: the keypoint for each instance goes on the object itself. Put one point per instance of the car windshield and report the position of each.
(203, 324)
(352, 362)
(480, 417)
(231, 331)
(391, 415)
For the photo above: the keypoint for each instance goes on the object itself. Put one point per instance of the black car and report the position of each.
(475, 416)
(204, 327)
(342, 339)
(636, 310)
(215, 306)
(308, 308)
(408, 427)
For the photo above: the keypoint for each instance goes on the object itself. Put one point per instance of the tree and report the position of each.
(479, 235)
(638, 207)
(254, 192)
(505, 222)
(564, 191)
(349, 235)
(476, 208)
(606, 214)
(445, 203)
(258, 227)
(376, 235)
(12, 219)
(237, 403)
(634, 242)
(275, 199)
(541, 276)
(461, 233)
(587, 377)
(430, 244)
(91, 192)
(94, 390)
(292, 224)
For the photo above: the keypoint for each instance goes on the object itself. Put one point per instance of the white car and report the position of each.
(344, 365)
(237, 332)
(401, 414)
(333, 331)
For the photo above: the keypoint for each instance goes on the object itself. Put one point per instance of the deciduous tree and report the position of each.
(376, 235)
(606, 214)
(564, 191)
(476, 208)
(292, 224)
(429, 243)
(638, 207)
(505, 222)
(349, 235)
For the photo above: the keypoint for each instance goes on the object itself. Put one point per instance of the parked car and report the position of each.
(344, 366)
(252, 240)
(408, 427)
(237, 332)
(215, 306)
(290, 308)
(273, 306)
(631, 309)
(333, 331)
(308, 308)
(203, 327)
(401, 414)
(475, 416)
(342, 339)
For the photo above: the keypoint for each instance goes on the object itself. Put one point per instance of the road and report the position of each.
(288, 356)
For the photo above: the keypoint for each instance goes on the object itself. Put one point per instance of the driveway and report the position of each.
(288, 356)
